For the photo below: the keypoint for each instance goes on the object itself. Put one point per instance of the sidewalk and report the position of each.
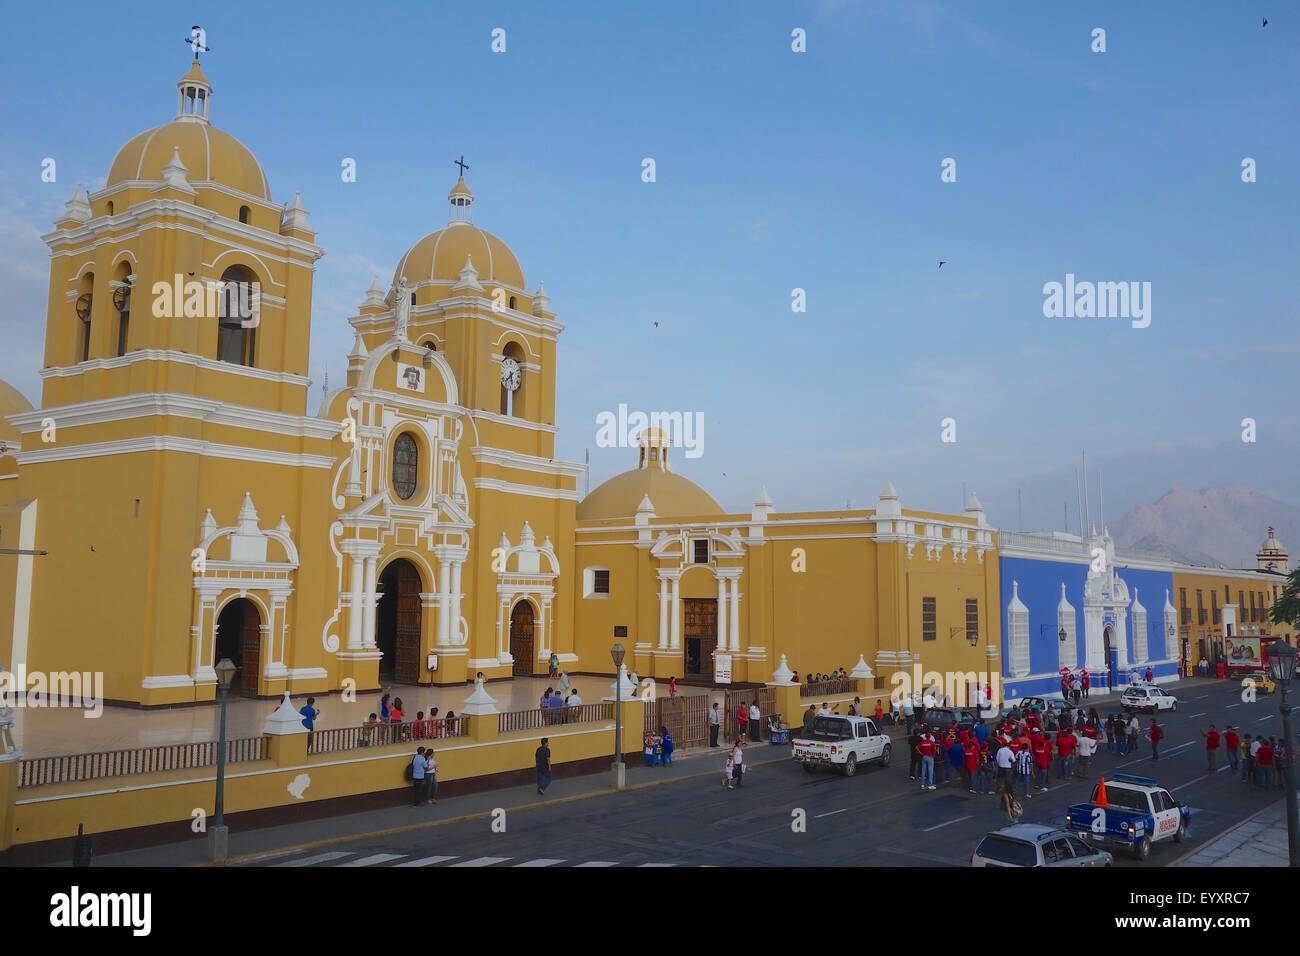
(1259, 841)
(696, 762)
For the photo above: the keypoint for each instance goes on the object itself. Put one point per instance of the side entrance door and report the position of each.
(407, 663)
(521, 639)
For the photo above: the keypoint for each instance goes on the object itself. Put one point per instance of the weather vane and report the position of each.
(197, 41)
(461, 163)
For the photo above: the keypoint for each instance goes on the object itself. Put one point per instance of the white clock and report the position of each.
(510, 374)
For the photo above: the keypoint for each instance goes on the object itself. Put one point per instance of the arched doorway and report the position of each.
(521, 638)
(398, 621)
(239, 637)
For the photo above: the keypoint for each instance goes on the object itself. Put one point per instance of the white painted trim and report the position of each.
(146, 404)
(23, 576)
(513, 459)
(181, 445)
(511, 488)
(307, 673)
(510, 420)
(170, 680)
(181, 358)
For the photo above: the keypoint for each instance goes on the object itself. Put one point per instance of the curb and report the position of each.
(465, 817)
(1232, 829)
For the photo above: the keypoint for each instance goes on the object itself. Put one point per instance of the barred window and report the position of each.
(972, 619)
(600, 582)
(929, 624)
(406, 459)
(701, 549)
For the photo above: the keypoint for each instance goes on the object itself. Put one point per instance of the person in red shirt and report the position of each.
(1155, 733)
(1066, 743)
(1264, 765)
(970, 763)
(926, 748)
(880, 713)
(1042, 761)
(1211, 748)
(1085, 682)
(1232, 743)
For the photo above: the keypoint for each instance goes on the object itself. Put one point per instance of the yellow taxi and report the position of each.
(1262, 682)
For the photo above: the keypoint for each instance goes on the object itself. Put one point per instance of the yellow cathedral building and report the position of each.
(175, 501)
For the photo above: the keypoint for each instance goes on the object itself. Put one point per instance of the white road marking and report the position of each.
(374, 860)
(1265, 717)
(598, 863)
(318, 858)
(946, 823)
(831, 813)
(427, 861)
(483, 861)
(1230, 706)
(658, 864)
(1202, 697)
(540, 863)
(1201, 714)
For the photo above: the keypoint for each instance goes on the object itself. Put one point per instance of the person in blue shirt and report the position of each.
(309, 715)
(956, 757)
(554, 705)
(666, 746)
(981, 733)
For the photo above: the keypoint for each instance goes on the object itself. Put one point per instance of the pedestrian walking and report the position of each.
(1042, 760)
(672, 687)
(1087, 747)
(970, 763)
(1066, 743)
(988, 763)
(880, 715)
(914, 748)
(1155, 734)
(564, 684)
(542, 757)
(1006, 760)
(1232, 744)
(1133, 728)
(738, 762)
(418, 763)
(1010, 805)
(1024, 769)
(742, 719)
(715, 724)
(1085, 681)
(755, 722)
(926, 749)
(1249, 748)
(728, 770)
(909, 711)
(666, 746)
(1211, 749)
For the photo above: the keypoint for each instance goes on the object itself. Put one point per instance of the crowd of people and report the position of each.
(1262, 760)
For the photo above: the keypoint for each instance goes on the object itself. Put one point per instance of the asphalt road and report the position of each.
(877, 818)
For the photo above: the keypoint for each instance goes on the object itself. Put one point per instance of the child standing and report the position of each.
(727, 772)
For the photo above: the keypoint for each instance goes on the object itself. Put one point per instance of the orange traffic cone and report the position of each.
(1101, 794)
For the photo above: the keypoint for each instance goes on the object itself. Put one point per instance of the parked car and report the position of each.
(841, 742)
(943, 718)
(1036, 844)
(1261, 681)
(1137, 813)
(1147, 697)
(1057, 702)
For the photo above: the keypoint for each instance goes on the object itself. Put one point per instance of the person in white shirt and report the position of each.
(738, 760)
(755, 716)
(895, 710)
(1254, 747)
(574, 699)
(1087, 747)
(715, 724)
(909, 711)
(824, 711)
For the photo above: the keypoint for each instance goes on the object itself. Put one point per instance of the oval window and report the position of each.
(406, 458)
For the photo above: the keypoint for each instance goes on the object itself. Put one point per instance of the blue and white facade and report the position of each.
(1058, 584)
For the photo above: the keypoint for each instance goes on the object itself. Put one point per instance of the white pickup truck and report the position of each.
(843, 742)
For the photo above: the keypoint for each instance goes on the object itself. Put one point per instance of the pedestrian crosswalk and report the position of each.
(347, 858)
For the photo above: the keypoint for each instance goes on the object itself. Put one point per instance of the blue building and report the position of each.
(1076, 604)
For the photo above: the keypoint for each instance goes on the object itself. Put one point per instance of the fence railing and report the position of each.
(383, 733)
(825, 688)
(553, 716)
(74, 768)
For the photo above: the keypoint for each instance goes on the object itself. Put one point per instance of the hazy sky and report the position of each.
(775, 170)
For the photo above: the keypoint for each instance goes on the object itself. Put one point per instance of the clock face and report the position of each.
(510, 374)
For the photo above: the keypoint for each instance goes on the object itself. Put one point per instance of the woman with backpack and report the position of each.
(1010, 805)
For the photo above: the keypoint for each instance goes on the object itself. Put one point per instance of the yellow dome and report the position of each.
(209, 155)
(441, 255)
(672, 496)
(12, 402)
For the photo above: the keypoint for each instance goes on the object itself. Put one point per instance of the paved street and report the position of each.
(878, 817)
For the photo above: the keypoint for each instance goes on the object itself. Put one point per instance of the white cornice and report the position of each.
(510, 420)
(181, 358)
(462, 307)
(155, 443)
(514, 459)
(179, 406)
(512, 488)
(198, 221)
(403, 400)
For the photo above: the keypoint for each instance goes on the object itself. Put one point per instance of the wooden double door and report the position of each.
(239, 637)
(699, 636)
(521, 639)
(399, 622)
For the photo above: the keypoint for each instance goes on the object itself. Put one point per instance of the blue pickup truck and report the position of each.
(1138, 812)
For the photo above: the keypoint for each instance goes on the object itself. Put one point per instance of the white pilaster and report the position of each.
(454, 636)
(663, 614)
(368, 599)
(723, 644)
(356, 606)
(444, 601)
(734, 619)
(676, 632)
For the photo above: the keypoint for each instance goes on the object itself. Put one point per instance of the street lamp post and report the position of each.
(219, 833)
(618, 771)
(1281, 663)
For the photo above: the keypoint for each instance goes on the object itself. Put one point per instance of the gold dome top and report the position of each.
(672, 496)
(209, 155)
(441, 256)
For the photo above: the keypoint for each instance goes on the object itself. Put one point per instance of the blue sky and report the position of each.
(775, 170)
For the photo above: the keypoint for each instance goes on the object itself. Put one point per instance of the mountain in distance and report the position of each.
(1213, 526)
